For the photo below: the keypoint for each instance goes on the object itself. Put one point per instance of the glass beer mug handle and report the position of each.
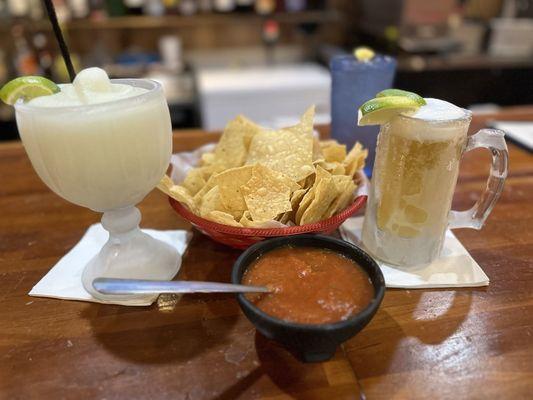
(493, 140)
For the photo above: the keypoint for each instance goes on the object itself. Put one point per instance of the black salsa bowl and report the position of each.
(310, 342)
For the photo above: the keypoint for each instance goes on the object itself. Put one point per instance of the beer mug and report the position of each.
(413, 181)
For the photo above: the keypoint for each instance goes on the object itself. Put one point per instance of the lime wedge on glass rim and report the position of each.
(27, 88)
(380, 110)
(402, 93)
(364, 53)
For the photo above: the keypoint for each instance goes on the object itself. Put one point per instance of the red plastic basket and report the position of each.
(241, 238)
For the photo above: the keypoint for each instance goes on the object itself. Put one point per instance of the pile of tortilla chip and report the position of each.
(256, 176)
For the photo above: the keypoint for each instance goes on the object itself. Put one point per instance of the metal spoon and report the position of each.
(140, 286)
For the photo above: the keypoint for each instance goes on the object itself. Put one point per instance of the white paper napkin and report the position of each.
(63, 281)
(455, 267)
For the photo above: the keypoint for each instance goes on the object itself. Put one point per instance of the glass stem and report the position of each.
(122, 223)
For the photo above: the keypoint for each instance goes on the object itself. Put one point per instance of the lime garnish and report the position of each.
(364, 53)
(27, 88)
(380, 110)
(403, 93)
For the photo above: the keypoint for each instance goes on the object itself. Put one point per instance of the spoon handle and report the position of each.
(140, 286)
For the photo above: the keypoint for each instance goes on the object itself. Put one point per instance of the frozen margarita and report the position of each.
(99, 144)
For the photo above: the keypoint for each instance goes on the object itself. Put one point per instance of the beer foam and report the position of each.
(438, 120)
(438, 110)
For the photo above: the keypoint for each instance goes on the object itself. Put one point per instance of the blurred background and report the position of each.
(269, 59)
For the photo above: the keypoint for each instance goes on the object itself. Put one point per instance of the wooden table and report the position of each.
(467, 343)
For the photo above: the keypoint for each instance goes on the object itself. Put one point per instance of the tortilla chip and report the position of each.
(207, 159)
(306, 122)
(286, 180)
(194, 181)
(308, 182)
(284, 217)
(335, 153)
(325, 193)
(326, 143)
(266, 196)
(345, 189)
(296, 198)
(320, 174)
(334, 168)
(208, 170)
(341, 181)
(177, 192)
(289, 150)
(304, 204)
(230, 183)
(210, 202)
(246, 219)
(222, 218)
(232, 149)
(165, 184)
(284, 152)
(355, 160)
(250, 129)
(207, 187)
(317, 151)
(182, 195)
(340, 169)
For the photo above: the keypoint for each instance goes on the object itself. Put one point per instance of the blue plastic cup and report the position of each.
(354, 82)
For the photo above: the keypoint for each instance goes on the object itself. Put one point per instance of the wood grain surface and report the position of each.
(445, 344)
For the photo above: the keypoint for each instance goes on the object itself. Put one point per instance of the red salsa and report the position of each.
(309, 285)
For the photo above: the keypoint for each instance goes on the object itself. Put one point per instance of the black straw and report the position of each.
(60, 39)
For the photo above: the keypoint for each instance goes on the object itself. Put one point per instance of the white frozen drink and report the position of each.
(99, 144)
(104, 145)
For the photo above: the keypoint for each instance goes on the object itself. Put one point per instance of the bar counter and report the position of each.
(450, 344)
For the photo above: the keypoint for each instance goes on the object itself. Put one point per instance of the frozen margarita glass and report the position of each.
(102, 144)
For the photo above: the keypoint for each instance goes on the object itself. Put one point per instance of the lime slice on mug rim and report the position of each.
(27, 88)
(402, 93)
(380, 110)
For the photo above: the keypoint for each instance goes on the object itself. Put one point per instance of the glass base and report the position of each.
(405, 253)
(130, 254)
